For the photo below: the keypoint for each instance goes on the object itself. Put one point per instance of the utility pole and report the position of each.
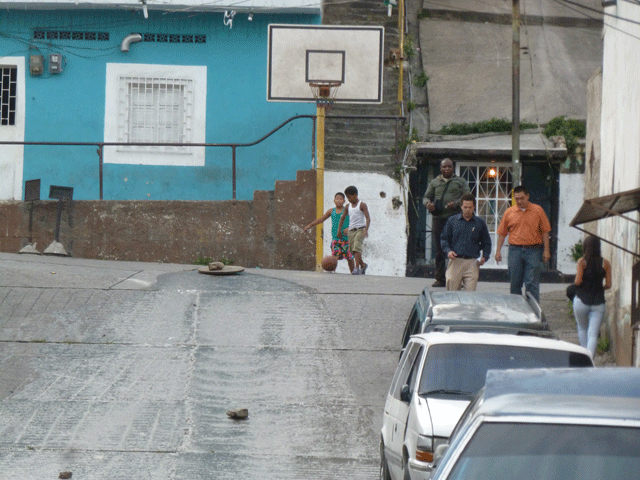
(515, 112)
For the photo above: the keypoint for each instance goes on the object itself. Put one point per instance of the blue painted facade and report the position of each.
(70, 106)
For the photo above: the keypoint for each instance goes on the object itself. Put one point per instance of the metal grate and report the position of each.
(8, 87)
(70, 35)
(155, 110)
(491, 183)
(174, 38)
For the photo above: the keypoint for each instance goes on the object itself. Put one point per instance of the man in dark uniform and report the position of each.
(443, 199)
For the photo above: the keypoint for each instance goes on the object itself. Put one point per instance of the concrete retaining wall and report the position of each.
(265, 232)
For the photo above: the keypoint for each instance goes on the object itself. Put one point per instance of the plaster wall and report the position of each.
(571, 197)
(385, 250)
(620, 162)
(71, 106)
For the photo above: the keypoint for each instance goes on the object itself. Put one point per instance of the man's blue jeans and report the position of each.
(525, 268)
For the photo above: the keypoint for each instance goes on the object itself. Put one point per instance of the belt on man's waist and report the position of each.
(465, 257)
(535, 245)
(357, 228)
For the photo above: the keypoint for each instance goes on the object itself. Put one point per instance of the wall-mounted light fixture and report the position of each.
(145, 12)
(250, 17)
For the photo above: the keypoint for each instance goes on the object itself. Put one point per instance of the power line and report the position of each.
(604, 23)
(591, 9)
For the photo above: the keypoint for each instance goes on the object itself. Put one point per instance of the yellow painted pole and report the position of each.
(401, 34)
(319, 185)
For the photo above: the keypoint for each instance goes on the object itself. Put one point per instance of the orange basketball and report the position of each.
(329, 263)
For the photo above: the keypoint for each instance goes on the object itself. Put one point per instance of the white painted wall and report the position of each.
(571, 198)
(385, 250)
(11, 156)
(620, 141)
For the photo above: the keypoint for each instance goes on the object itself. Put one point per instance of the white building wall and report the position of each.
(620, 140)
(385, 250)
(571, 198)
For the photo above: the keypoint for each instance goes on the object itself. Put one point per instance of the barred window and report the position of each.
(156, 110)
(8, 87)
(155, 104)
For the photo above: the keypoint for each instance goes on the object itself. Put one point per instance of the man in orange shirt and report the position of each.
(528, 229)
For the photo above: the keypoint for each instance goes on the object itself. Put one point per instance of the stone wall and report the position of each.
(265, 232)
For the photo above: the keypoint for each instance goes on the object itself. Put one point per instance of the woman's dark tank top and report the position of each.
(591, 291)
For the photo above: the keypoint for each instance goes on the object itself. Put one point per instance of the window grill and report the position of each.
(42, 34)
(8, 87)
(174, 38)
(491, 183)
(70, 35)
(155, 110)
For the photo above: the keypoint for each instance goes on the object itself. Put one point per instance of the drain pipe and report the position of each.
(128, 40)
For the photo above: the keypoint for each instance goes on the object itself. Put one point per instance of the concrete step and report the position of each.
(354, 164)
(385, 140)
(360, 150)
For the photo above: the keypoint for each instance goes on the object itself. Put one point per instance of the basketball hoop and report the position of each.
(325, 93)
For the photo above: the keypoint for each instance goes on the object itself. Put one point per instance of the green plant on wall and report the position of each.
(408, 48)
(577, 251)
(497, 125)
(420, 80)
(570, 129)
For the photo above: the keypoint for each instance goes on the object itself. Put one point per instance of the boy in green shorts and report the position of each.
(339, 246)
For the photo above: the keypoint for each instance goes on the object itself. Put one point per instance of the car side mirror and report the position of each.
(439, 453)
(405, 395)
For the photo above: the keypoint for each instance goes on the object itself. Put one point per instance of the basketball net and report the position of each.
(325, 93)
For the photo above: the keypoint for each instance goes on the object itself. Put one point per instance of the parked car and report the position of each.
(436, 378)
(476, 311)
(567, 424)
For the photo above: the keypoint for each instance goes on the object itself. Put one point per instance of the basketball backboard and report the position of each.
(300, 54)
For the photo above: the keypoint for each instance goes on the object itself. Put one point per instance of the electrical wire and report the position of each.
(591, 9)
(608, 25)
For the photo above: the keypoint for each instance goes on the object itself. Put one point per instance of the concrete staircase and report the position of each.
(365, 145)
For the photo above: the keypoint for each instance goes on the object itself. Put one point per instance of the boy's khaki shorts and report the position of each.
(356, 240)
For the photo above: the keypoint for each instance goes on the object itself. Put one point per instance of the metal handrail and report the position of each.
(233, 146)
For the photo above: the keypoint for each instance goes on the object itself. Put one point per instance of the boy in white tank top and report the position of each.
(359, 222)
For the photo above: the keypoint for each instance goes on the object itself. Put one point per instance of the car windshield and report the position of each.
(511, 451)
(462, 368)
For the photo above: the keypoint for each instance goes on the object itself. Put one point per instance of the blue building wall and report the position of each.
(70, 106)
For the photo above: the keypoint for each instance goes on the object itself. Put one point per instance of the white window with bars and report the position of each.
(165, 104)
(491, 183)
(8, 94)
(155, 110)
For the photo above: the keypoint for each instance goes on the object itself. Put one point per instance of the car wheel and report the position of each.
(384, 467)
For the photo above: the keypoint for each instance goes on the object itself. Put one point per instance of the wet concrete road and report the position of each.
(116, 370)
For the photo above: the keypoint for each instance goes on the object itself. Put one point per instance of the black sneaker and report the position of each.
(363, 270)
(438, 284)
